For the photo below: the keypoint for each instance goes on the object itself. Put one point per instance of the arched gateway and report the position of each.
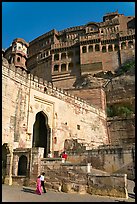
(41, 132)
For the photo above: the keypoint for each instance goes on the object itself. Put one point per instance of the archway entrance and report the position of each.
(22, 166)
(41, 133)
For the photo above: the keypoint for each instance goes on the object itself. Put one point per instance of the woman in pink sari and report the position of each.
(38, 189)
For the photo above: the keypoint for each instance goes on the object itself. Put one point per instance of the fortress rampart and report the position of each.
(41, 85)
(42, 110)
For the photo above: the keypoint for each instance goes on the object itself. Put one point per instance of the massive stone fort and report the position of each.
(43, 107)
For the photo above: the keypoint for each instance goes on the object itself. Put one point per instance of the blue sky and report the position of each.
(28, 20)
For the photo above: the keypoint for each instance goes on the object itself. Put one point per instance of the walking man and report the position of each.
(42, 182)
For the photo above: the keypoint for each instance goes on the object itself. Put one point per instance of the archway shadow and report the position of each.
(29, 190)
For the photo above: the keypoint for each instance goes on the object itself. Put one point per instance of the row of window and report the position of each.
(63, 67)
(85, 49)
(46, 42)
(64, 55)
(104, 49)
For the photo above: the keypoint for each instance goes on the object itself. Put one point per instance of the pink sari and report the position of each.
(39, 189)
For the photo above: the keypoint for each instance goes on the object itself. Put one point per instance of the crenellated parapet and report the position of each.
(96, 38)
(76, 28)
(39, 84)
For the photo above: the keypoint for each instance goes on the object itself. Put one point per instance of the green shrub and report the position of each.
(126, 67)
(116, 110)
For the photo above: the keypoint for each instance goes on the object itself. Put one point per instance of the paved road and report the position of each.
(18, 194)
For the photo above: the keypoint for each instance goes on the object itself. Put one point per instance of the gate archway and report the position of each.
(41, 132)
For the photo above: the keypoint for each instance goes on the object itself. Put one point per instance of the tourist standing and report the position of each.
(38, 186)
(50, 155)
(64, 157)
(42, 178)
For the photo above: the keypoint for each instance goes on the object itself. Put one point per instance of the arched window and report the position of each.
(63, 67)
(56, 68)
(104, 49)
(63, 56)
(90, 48)
(84, 49)
(56, 57)
(97, 48)
(110, 49)
(123, 45)
(130, 44)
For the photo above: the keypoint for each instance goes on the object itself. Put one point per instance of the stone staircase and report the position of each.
(74, 178)
(62, 176)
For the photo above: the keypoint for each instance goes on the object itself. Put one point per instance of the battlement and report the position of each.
(63, 44)
(42, 85)
(76, 28)
(109, 36)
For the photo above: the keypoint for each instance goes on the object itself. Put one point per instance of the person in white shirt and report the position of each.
(42, 182)
(50, 155)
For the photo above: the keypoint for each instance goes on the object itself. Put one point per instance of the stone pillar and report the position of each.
(119, 46)
(67, 66)
(100, 47)
(106, 47)
(134, 42)
(126, 185)
(59, 67)
(59, 56)
(51, 141)
(8, 178)
(35, 163)
(86, 48)
(93, 47)
(80, 49)
(15, 165)
(88, 167)
(126, 43)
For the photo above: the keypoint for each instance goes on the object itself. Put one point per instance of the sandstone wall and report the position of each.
(77, 178)
(90, 61)
(122, 130)
(113, 159)
(94, 96)
(24, 95)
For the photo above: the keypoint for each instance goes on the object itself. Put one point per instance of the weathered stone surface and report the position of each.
(28, 101)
